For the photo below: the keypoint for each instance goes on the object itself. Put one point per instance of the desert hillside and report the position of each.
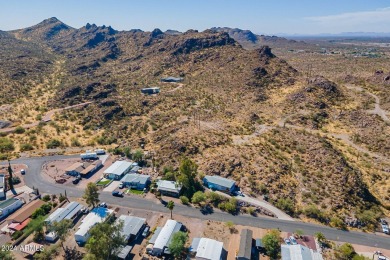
(309, 142)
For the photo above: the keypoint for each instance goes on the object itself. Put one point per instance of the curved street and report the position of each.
(33, 178)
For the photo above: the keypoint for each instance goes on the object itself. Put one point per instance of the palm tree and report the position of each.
(170, 206)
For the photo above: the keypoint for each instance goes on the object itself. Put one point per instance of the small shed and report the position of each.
(132, 226)
(124, 252)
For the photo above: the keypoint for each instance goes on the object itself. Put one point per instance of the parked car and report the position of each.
(23, 171)
(385, 229)
(84, 210)
(145, 233)
(75, 181)
(287, 241)
(103, 205)
(383, 221)
(293, 240)
(117, 194)
(120, 185)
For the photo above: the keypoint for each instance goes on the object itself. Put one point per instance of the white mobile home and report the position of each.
(89, 156)
(2, 186)
(9, 206)
(97, 215)
(206, 249)
(118, 169)
(164, 238)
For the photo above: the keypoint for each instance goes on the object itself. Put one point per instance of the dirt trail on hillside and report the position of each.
(46, 118)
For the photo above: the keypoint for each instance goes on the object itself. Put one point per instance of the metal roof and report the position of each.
(62, 213)
(153, 239)
(299, 252)
(119, 167)
(74, 212)
(220, 181)
(209, 249)
(6, 203)
(26, 211)
(168, 186)
(136, 178)
(245, 249)
(165, 236)
(125, 251)
(131, 225)
(97, 215)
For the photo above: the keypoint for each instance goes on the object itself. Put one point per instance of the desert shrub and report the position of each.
(6, 145)
(312, 211)
(46, 198)
(184, 200)
(26, 147)
(75, 142)
(286, 204)
(19, 130)
(198, 197)
(53, 143)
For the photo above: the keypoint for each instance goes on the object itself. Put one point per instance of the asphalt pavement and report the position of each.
(33, 178)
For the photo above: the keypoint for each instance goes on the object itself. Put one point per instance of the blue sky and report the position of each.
(260, 16)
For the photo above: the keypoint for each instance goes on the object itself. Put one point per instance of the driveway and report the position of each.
(112, 186)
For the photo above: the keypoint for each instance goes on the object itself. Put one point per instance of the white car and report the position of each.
(293, 240)
(385, 229)
(120, 185)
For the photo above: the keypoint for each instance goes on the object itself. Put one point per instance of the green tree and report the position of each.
(6, 255)
(177, 245)
(39, 235)
(48, 253)
(170, 176)
(271, 243)
(345, 252)
(91, 194)
(198, 197)
(38, 212)
(187, 173)
(360, 257)
(105, 240)
(62, 229)
(170, 206)
(138, 155)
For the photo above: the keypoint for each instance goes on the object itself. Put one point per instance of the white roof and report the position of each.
(166, 233)
(299, 252)
(62, 213)
(92, 219)
(209, 249)
(119, 167)
(168, 185)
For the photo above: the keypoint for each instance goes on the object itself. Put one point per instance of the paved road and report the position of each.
(34, 178)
